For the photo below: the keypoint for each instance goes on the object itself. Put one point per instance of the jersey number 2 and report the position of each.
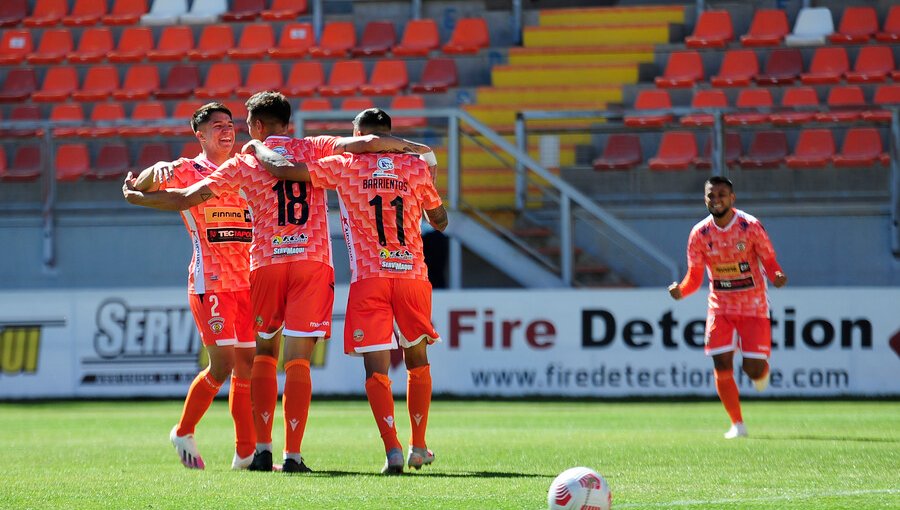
(288, 201)
(379, 219)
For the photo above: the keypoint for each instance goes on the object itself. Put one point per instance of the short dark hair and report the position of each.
(373, 120)
(201, 115)
(718, 179)
(269, 106)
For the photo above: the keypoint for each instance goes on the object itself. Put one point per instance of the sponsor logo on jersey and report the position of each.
(290, 239)
(396, 266)
(731, 269)
(738, 284)
(216, 324)
(229, 235)
(385, 254)
(385, 164)
(223, 214)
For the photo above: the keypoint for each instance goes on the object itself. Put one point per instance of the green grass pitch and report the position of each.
(490, 455)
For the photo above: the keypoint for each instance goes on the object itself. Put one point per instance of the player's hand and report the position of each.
(780, 279)
(163, 171)
(674, 291)
(250, 147)
(128, 190)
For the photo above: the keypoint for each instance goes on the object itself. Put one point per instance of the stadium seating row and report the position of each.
(48, 13)
(255, 41)
(740, 67)
(223, 81)
(859, 24)
(815, 148)
(845, 104)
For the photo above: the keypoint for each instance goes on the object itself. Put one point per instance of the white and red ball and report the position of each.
(579, 488)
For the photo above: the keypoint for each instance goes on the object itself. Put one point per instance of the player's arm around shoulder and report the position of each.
(376, 143)
(153, 177)
(171, 199)
(279, 166)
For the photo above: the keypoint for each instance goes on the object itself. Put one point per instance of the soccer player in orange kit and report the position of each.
(736, 251)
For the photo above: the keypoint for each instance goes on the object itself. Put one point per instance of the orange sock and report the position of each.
(242, 414)
(264, 396)
(295, 401)
(728, 394)
(418, 400)
(200, 396)
(381, 400)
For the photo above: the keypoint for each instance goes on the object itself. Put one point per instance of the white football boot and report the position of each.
(736, 430)
(186, 448)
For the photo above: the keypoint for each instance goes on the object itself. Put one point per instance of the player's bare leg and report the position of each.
(264, 396)
(758, 371)
(296, 399)
(241, 407)
(418, 402)
(727, 389)
(381, 400)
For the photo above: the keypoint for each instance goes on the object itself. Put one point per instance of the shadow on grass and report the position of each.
(463, 474)
(827, 438)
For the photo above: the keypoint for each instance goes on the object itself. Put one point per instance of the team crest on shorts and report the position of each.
(358, 335)
(216, 324)
(259, 321)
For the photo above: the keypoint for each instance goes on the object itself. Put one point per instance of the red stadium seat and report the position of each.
(845, 104)
(12, 12)
(792, 98)
(438, 75)
(99, 84)
(411, 102)
(134, 44)
(862, 148)
(244, 10)
(677, 150)
(125, 12)
(769, 27)
(378, 38)
(20, 82)
(214, 42)
(174, 44)
(150, 115)
(739, 67)
(27, 113)
(750, 98)
(318, 104)
(221, 80)
(85, 13)
(683, 69)
(190, 149)
(26, 165)
(873, 64)
(884, 95)
(714, 30)
(46, 13)
(59, 83)
(651, 100)
(470, 35)
(72, 161)
(151, 153)
(238, 114)
(345, 79)
(284, 10)
(356, 104)
(420, 37)
(304, 79)
(181, 82)
(70, 113)
(783, 67)
(255, 41)
(858, 25)
(828, 66)
(15, 46)
(295, 41)
(389, 77)
(622, 152)
(705, 98)
(182, 113)
(95, 45)
(141, 80)
(815, 148)
(767, 150)
(732, 148)
(111, 164)
(338, 38)
(104, 118)
(262, 76)
(891, 32)
(55, 46)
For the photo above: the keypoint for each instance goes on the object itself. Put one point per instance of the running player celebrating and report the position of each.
(218, 286)
(738, 256)
(382, 199)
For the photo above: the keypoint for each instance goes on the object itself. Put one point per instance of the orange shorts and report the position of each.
(754, 335)
(224, 318)
(298, 295)
(375, 304)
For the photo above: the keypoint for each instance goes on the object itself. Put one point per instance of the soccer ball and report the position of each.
(579, 488)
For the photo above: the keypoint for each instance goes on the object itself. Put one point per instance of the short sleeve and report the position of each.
(695, 255)
(322, 146)
(326, 172)
(228, 177)
(178, 180)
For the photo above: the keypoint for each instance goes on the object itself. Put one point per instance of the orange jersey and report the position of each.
(290, 220)
(220, 233)
(382, 197)
(737, 260)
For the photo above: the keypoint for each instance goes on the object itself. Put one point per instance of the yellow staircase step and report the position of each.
(481, 158)
(582, 54)
(595, 35)
(543, 95)
(563, 75)
(487, 178)
(503, 117)
(612, 15)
